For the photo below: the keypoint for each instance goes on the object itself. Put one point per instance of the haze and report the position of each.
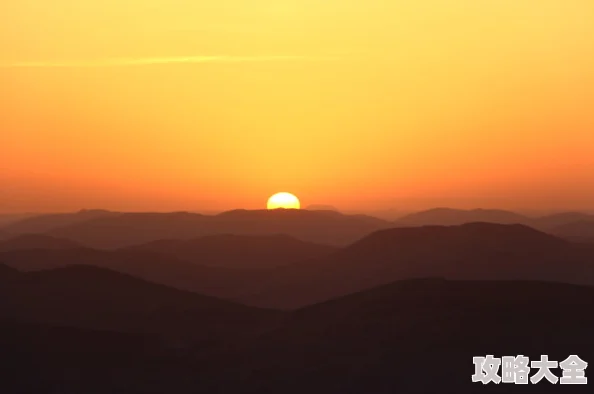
(185, 105)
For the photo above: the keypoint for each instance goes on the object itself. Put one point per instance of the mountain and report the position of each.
(453, 217)
(414, 336)
(155, 267)
(118, 231)
(238, 251)
(579, 231)
(418, 336)
(39, 358)
(96, 298)
(86, 329)
(552, 222)
(9, 218)
(7, 272)
(391, 214)
(36, 241)
(247, 271)
(470, 251)
(45, 223)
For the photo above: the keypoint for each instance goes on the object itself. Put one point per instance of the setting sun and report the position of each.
(283, 200)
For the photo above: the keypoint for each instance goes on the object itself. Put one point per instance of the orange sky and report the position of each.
(196, 104)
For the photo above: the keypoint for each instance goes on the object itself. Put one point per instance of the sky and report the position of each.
(169, 105)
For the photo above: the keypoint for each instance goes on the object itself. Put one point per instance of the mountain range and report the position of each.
(97, 331)
(100, 229)
(283, 272)
(288, 301)
(112, 230)
(96, 298)
(477, 251)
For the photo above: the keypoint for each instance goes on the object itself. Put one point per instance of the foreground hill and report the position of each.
(238, 251)
(416, 336)
(39, 358)
(135, 228)
(95, 298)
(7, 273)
(470, 251)
(419, 336)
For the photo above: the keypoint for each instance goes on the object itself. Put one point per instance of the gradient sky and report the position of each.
(217, 104)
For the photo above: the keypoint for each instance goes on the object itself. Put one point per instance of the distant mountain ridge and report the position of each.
(452, 217)
(154, 267)
(219, 265)
(552, 222)
(321, 207)
(9, 218)
(476, 251)
(130, 229)
(45, 223)
(282, 272)
(36, 241)
(576, 230)
(105, 229)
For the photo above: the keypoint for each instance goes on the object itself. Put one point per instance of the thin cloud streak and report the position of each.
(120, 62)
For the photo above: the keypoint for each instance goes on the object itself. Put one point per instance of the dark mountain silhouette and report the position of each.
(36, 241)
(239, 251)
(7, 272)
(155, 267)
(452, 217)
(416, 336)
(96, 298)
(45, 223)
(39, 358)
(419, 336)
(130, 229)
(470, 251)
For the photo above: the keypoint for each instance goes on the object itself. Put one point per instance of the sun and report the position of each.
(283, 200)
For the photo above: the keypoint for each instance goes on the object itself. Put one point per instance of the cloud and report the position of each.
(122, 62)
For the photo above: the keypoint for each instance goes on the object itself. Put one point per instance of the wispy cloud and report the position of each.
(122, 62)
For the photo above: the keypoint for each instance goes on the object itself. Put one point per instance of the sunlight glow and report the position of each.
(283, 200)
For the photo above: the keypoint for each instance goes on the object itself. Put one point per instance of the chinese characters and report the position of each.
(517, 370)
